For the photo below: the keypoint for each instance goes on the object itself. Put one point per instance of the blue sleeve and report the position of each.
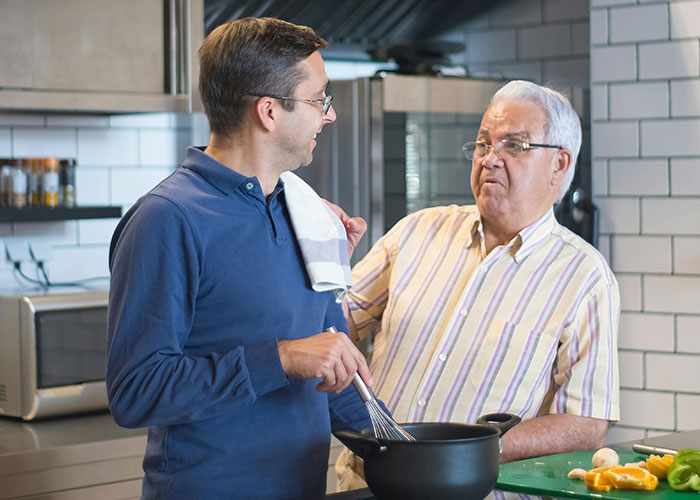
(155, 269)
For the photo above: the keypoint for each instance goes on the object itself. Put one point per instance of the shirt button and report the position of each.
(463, 312)
(249, 185)
(484, 267)
(443, 357)
(421, 402)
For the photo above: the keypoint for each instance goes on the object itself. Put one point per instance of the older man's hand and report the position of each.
(355, 227)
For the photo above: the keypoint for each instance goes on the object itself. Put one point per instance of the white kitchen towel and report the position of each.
(321, 236)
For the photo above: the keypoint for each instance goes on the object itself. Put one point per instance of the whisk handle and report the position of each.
(362, 389)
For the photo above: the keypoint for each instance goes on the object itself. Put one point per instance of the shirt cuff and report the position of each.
(264, 367)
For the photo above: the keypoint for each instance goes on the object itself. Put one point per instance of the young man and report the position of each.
(216, 340)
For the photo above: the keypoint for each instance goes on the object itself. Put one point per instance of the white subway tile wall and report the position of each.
(615, 139)
(600, 177)
(28, 142)
(599, 26)
(673, 215)
(685, 176)
(685, 98)
(687, 333)
(638, 177)
(625, 23)
(646, 332)
(656, 257)
(669, 59)
(688, 406)
(630, 290)
(119, 159)
(662, 372)
(685, 256)
(672, 294)
(613, 63)
(684, 19)
(670, 137)
(631, 370)
(625, 99)
(618, 215)
(651, 409)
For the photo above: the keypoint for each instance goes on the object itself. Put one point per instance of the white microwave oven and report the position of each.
(52, 353)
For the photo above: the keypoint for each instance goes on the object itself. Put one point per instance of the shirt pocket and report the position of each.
(513, 356)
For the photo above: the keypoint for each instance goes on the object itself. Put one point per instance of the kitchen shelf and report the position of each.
(42, 214)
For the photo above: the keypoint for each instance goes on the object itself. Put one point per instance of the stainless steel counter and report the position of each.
(72, 458)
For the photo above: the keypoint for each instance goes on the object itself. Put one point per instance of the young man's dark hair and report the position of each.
(251, 57)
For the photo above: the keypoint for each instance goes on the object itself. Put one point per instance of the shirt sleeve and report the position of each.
(586, 371)
(155, 269)
(371, 278)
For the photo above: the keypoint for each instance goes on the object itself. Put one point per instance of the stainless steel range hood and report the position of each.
(355, 28)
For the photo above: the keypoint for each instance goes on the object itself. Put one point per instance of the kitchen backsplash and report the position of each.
(645, 94)
(119, 158)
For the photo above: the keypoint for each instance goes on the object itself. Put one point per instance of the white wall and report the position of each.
(119, 157)
(645, 72)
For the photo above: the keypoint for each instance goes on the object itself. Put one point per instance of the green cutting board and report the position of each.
(548, 476)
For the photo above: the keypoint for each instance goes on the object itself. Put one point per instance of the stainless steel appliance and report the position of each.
(52, 353)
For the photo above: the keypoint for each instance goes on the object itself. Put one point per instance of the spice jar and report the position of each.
(5, 182)
(34, 168)
(50, 182)
(19, 185)
(67, 181)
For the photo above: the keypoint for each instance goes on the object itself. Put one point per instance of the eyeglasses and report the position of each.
(325, 102)
(504, 148)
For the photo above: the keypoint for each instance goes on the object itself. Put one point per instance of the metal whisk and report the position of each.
(383, 425)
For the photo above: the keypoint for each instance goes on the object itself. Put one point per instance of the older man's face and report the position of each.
(515, 191)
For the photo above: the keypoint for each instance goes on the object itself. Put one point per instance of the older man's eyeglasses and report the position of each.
(325, 102)
(504, 148)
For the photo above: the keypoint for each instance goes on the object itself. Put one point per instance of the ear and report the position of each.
(561, 163)
(266, 109)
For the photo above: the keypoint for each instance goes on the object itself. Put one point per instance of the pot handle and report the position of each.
(361, 445)
(503, 421)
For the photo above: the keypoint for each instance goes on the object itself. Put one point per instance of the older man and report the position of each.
(497, 307)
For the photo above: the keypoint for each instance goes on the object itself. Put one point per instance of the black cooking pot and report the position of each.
(446, 461)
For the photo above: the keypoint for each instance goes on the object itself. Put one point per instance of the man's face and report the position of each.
(307, 119)
(515, 192)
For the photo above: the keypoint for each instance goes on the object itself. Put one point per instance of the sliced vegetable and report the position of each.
(658, 465)
(684, 472)
(596, 481)
(631, 478)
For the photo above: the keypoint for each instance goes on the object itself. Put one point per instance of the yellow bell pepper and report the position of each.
(658, 465)
(621, 478)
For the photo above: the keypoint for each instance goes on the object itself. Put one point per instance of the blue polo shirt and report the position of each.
(207, 276)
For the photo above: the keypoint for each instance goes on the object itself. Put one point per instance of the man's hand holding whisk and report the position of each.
(329, 355)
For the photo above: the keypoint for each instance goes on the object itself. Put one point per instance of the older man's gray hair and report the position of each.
(562, 126)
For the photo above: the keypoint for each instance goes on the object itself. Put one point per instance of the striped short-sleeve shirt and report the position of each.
(530, 328)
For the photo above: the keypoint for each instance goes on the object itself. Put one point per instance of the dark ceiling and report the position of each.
(356, 28)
